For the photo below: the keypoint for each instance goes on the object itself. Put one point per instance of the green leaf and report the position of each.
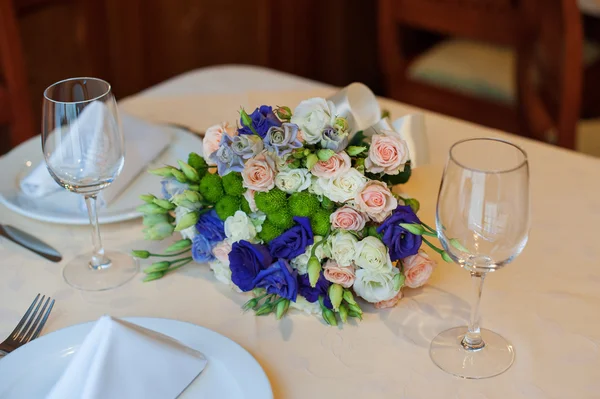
(358, 138)
(355, 150)
(311, 160)
(400, 178)
(413, 203)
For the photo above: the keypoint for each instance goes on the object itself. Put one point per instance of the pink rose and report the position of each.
(249, 195)
(334, 167)
(376, 200)
(259, 173)
(387, 154)
(221, 251)
(390, 303)
(347, 218)
(417, 269)
(342, 275)
(212, 138)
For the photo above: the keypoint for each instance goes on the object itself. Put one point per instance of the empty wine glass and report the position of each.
(483, 222)
(84, 151)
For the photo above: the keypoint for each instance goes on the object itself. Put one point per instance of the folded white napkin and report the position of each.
(143, 143)
(121, 360)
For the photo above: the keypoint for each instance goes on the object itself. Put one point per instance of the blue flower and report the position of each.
(202, 249)
(225, 158)
(400, 242)
(283, 140)
(246, 260)
(247, 146)
(278, 279)
(334, 139)
(293, 242)
(262, 119)
(171, 187)
(312, 294)
(211, 227)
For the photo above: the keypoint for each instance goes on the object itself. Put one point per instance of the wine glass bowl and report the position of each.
(483, 220)
(84, 151)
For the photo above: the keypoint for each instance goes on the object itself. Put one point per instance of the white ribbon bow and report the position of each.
(357, 103)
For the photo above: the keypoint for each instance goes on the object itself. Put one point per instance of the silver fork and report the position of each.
(30, 326)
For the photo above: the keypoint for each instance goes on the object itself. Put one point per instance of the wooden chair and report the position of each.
(544, 35)
(15, 103)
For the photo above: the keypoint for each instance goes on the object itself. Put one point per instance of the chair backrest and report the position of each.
(545, 34)
(15, 105)
(550, 70)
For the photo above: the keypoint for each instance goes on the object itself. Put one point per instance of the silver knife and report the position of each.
(30, 242)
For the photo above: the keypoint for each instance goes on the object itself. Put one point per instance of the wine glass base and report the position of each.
(80, 275)
(448, 353)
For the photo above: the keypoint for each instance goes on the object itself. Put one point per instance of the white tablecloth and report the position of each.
(546, 302)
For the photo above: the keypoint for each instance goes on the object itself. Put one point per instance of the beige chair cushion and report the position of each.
(475, 68)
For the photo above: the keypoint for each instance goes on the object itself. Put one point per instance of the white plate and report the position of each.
(65, 207)
(32, 370)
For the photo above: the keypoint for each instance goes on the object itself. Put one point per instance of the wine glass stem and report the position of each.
(472, 339)
(99, 260)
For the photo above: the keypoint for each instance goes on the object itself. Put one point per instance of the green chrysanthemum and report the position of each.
(245, 206)
(269, 231)
(227, 206)
(282, 218)
(327, 203)
(211, 188)
(303, 204)
(198, 163)
(319, 222)
(270, 201)
(233, 183)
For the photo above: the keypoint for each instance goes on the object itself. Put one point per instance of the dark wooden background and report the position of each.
(147, 41)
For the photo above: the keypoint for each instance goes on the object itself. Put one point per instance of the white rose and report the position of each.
(191, 231)
(305, 306)
(345, 187)
(315, 187)
(372, 254)
(343, 248)
(312, 116)
(375, 287)
(222, 273)
(300, 262)
(293, 180)
(239, 227)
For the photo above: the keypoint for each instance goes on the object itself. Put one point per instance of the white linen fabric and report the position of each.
(544, 302)
(121, 360)
(143, 143)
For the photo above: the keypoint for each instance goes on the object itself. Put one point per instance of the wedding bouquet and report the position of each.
(296, 208)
